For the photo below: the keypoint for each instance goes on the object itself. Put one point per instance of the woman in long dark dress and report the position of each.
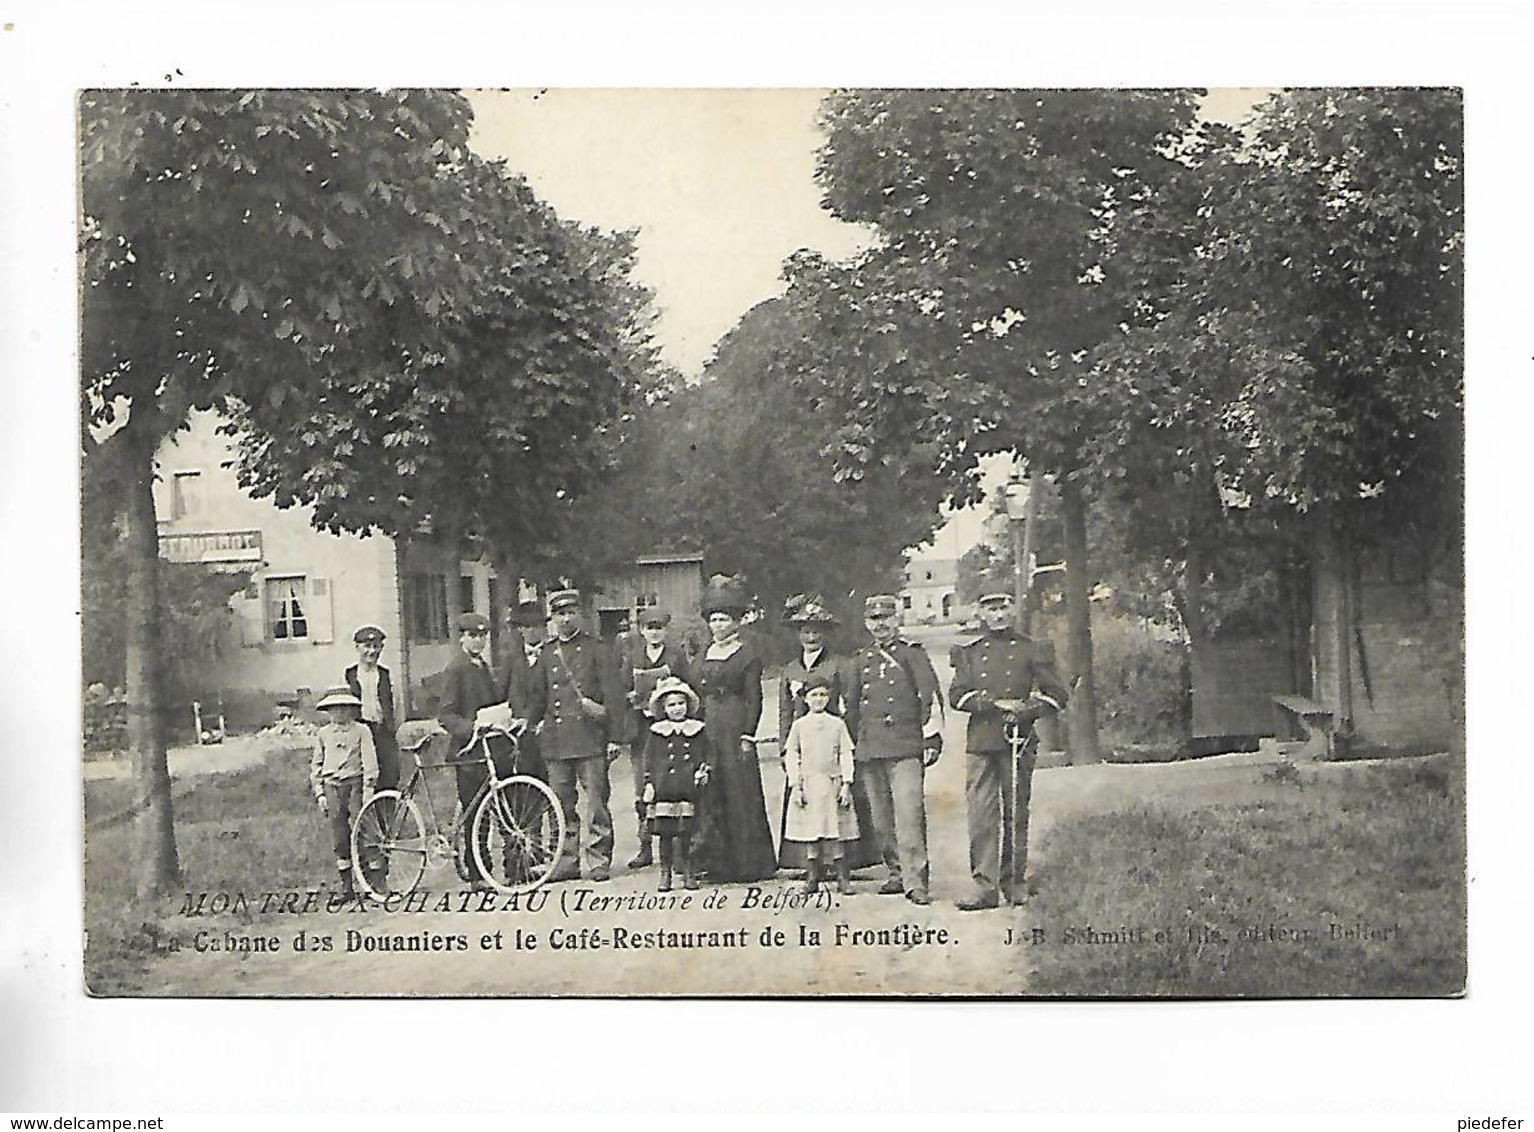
(734, 839)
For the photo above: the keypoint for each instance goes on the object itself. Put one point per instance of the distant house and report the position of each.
(308, 590)
(930, 593)
(290, 630)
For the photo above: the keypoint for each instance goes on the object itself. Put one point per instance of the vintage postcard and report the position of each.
(984, 543)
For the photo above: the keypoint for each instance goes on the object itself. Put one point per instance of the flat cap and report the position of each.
(881, 605)
(369, 633)
(817, 679)
(655, 617)
(473, 623)
(999, 597)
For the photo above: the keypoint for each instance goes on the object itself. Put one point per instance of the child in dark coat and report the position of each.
(676, 758)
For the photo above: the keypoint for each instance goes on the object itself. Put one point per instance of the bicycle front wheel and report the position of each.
(389, 845)
(518, 834)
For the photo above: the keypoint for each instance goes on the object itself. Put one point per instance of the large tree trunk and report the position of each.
(157, 869)
(1082, 710)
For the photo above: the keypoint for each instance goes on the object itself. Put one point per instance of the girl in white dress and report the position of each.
(817, 758)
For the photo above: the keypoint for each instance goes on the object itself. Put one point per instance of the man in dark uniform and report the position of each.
(570, 696)
(529, 627)
(643, 661)
(1000, 678)
(895, 715)
(467, 685)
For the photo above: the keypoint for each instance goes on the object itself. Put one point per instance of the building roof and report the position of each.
(667, 559)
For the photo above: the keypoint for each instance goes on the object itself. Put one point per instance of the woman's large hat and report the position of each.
(808, 609)
(669, 685)
(725, 593)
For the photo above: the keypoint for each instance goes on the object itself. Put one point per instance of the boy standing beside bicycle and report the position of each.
(342, 772)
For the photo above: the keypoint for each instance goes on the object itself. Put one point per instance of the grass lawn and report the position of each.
(250, 830)
(1340, 881)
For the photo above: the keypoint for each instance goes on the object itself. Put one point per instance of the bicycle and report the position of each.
(514, 823)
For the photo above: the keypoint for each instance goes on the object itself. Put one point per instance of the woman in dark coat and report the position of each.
(734, 840)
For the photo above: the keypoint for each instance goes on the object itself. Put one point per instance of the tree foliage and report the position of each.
(396, 329)
(741, 467)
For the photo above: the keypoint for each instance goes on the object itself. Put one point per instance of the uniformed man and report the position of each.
(1001, 679)
(569, 695)
(895, 714)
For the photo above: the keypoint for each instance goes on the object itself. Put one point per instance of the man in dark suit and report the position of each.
(895, 715)
(467, 685)
(369, 682)
(1003, 679)
(642, 662)
(572, 699)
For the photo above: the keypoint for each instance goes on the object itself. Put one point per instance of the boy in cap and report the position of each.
(642, 664)
(369, 681)
(568, 694)
(468, 684)
(1004, 680)
(342, 772)
(895, 714)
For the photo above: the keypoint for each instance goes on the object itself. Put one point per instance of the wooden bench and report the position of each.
(1317, 725)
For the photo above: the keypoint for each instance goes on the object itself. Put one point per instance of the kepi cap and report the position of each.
(881, 605)
(564, 599)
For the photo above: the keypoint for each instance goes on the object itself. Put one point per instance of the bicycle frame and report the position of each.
(420, 779)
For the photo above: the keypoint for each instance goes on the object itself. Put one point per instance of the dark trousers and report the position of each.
(472, 776)
(343, 801)
(898, 806)
(388, 756)
(586, 776)
(998, 826)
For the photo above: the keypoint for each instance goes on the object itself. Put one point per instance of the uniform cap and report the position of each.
(655, 617)
(564, 599)
(369, 633)
(1000, 597)
(473, 623)
(881, 605)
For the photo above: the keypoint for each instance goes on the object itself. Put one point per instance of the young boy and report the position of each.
(676, 757)
(817, 758)
(342, 773)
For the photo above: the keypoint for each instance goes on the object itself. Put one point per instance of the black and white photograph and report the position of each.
(610, 557)
(998, 542)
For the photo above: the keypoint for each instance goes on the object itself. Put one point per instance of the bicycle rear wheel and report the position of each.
(518, 834)
(389, 845)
